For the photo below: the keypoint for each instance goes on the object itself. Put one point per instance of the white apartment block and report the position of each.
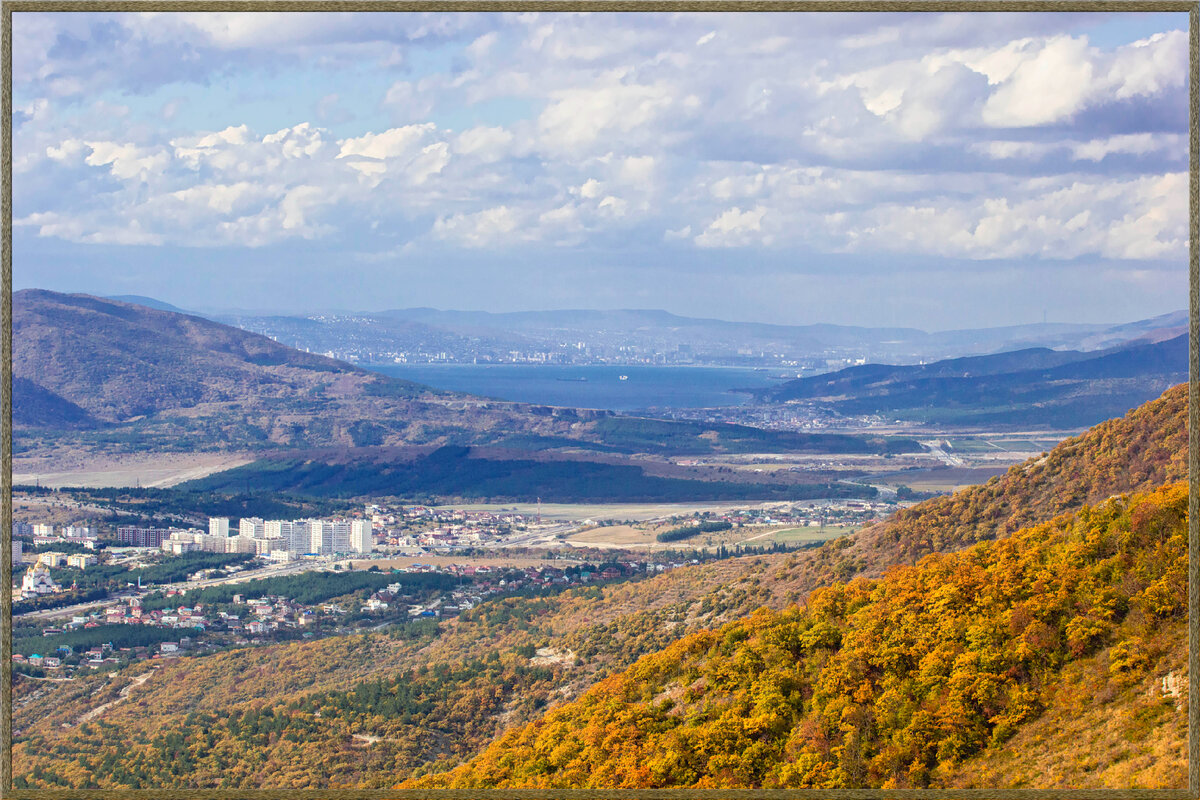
(252, 528)
(52, 560)
(320, 536)
(42, 529)
(362, 539)
(341, 535)
(81, 560)
(300, 539)
(264, 547)
(296, 535)
(17, 550)
(329, 536)
(77, 532)
(218, 526)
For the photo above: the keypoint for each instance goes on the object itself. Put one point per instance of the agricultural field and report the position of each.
(644, 537)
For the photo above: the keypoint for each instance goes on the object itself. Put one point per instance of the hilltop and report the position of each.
(120, 362)
(1143, 449)
(1111, 620)
(1140, 451)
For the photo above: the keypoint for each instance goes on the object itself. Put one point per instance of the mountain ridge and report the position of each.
(1065, 389)
(105, 375)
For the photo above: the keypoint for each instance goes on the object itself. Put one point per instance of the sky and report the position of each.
(937, 171)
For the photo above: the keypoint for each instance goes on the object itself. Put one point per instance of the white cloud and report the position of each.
(1149, 66)
(126, 160)
(578, 118)
(431, 160)
(1052, 85)
(481, 229)
(1134, 144)
(1131, 219)
(392, 143)
(590, 188)
(480, 48)
(70, 150)
(735, 228)
(614, 205)
(299, 141)
(638, 170)
(225, 199)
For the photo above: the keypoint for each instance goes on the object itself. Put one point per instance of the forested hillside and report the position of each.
(892, 682)
(285, 715)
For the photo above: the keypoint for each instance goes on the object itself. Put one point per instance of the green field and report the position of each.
(806, 534)
(967, 445)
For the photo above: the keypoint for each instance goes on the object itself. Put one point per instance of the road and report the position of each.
(936, 450)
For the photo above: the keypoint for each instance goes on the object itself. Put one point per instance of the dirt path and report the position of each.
(122, 695)
(362, 737)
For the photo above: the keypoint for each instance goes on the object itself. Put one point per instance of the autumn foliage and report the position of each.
(887, 682)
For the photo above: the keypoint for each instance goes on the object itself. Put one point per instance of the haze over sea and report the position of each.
(646, 387)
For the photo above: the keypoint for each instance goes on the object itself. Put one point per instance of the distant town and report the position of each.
(362, 339)
(98, 596)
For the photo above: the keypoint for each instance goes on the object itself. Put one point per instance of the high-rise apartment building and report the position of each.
(320, 536)
(341, 536)
(362, 539)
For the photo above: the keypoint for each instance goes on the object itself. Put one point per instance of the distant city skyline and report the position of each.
(933, 171)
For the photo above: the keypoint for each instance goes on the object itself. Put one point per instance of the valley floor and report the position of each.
(150, 470)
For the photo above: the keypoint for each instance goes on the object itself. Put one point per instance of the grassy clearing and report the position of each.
(808, 534)
(601, 511)
(755, 536)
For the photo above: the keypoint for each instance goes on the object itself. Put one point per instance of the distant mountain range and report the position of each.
(111, 375)
(577, 336)
(184, 381)
(1035, 386)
